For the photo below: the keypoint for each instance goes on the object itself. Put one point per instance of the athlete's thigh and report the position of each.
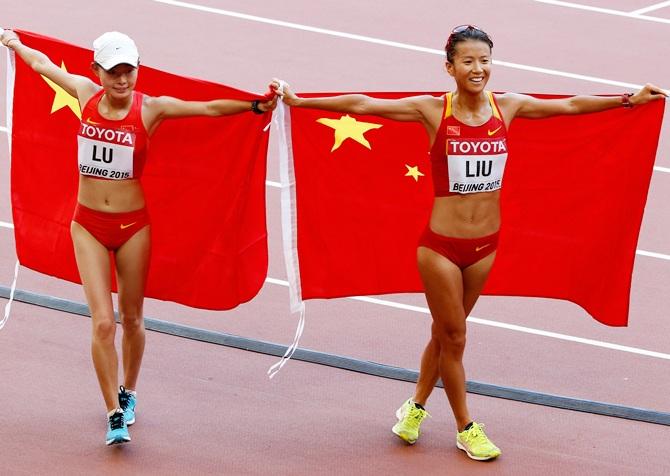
(94, 269)
(132, 267)
(443, 284)
(474, 279)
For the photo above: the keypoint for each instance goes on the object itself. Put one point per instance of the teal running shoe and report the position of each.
(117, 430)
(127, 401)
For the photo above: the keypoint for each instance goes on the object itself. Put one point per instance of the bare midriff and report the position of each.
(112, 196)
(466, 216)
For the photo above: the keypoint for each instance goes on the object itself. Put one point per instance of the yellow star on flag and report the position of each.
(346, 127)
(62, 98)
(413, 172)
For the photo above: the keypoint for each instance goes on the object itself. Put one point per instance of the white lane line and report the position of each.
(298, 26)
(4, 224)
(650, 8)
(652, 254)
(279, 282)
(394, 44)
(564, 74)
(4, 129)
(503, 325)
(662, 169)
(607, 11)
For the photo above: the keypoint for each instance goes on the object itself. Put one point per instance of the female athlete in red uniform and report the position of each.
(110, 214)
(468, 133)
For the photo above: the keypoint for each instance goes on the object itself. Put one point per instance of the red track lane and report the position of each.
(210, 410)
(206, 409)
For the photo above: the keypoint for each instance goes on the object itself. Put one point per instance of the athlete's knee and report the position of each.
(450, 338)
(104, 328)
(131, 320)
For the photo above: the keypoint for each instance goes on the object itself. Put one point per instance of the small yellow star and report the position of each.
(346, 127)
(413, 172)
(62, 98)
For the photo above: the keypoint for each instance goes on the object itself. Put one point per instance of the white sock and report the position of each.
(112, 412)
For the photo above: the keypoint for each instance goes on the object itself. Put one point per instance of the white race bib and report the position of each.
(476, 165)
(105, 153)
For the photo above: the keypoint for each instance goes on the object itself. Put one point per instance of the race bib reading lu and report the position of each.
(105, 153)
(476, 165)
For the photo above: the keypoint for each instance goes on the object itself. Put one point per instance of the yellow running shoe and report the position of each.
(476, 444)
(409, 420)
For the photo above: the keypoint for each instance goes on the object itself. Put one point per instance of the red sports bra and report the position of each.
(112, 149)
(468, 159)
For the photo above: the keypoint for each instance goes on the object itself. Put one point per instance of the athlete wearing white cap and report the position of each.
(111, 213)
(114, 48)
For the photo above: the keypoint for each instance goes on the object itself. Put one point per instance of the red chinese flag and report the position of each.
(572, 202)
(204, 183)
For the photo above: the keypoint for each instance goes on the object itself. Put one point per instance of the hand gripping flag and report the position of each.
(204, 183)
(574, 192)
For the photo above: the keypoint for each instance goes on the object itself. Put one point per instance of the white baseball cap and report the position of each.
(113, 48)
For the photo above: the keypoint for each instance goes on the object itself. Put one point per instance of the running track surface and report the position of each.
(207, 409)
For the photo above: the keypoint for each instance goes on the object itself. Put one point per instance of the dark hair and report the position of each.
(467, 33)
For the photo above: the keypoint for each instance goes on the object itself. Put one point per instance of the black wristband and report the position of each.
(255, 108)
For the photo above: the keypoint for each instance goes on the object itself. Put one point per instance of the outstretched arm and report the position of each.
(411, 109)
(520, 105)
(166, 107)
(74, 84)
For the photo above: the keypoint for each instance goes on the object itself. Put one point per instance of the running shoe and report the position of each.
(409, 417)
(117, 430)
(476, 444)
(127, 401)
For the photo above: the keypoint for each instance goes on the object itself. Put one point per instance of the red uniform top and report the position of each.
(468, 159)
(114, 150)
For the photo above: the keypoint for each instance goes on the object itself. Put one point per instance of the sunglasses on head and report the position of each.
(460, 29)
